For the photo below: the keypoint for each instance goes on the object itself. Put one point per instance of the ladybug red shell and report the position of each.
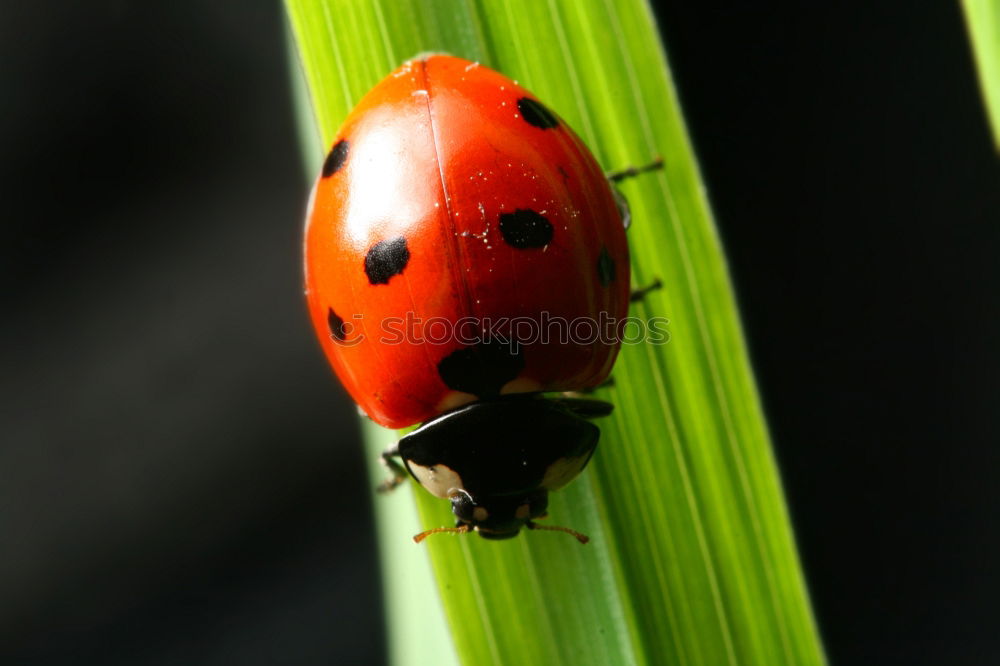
(452, 194)
(452, 211)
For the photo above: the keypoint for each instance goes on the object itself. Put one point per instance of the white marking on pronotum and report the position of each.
(439, 480)
(563, 471)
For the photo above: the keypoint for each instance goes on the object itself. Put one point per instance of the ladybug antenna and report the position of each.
(461, 529)
(582, 538)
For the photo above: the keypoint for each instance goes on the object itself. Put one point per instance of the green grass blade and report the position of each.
(692, 558)
(983, 20)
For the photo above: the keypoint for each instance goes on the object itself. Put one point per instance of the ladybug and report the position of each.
(458, 231)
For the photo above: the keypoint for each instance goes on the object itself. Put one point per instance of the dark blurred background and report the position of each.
(180, 475)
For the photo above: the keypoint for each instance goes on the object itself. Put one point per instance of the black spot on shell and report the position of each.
(605, 268)
(336, 158)
(482, 370)
(336, 324)
(385, 259)
(525, 228)
(535, 113)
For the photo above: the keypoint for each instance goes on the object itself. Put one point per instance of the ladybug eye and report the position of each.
(463, 507)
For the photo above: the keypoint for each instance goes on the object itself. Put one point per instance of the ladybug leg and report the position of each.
(628, 172)
(586, 408)
(639, 293)
(398, 474)
(580, 393)
(633, 171)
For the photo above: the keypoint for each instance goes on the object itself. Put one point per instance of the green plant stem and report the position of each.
(982, 17)
(692, 558)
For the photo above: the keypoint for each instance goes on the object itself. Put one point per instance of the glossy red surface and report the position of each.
(438, 151)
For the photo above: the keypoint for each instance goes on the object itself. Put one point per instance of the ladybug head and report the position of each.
(498, 517)
(496, 461)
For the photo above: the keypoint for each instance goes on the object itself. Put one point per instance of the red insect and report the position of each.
(455, 219)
